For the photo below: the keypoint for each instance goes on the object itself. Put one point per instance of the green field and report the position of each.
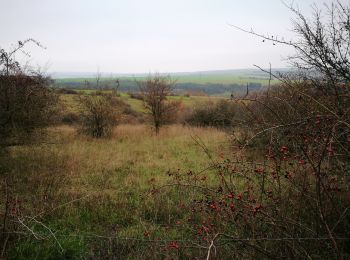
(196, 79)
(220, 79)
(209, 83)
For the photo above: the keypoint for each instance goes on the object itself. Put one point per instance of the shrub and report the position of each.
(135, 95)
(98, 115)
(26, 101)
(70, 118)
(66, 91)
(215, 114)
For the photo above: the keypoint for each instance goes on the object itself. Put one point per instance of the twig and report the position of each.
(211, 245)
(29, 229)
(62, 250)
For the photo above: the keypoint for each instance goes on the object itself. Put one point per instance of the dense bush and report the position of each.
(98, 115)
(70, 118)
(216, 114)
(26, 101)
(66, 91)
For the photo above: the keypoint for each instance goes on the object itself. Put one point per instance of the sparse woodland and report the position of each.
(264, 175)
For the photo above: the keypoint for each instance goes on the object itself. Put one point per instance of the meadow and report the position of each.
(206, 186)
(71, 104)
(186, 192)
(222, 165)
(81, 197)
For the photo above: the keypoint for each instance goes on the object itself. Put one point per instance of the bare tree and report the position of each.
(322, 45)
(87, 84)
(116, 88)
(113, 84)
(98, 79)
(155, 91)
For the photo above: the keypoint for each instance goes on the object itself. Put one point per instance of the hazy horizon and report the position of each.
(135, 36)
(75, 74)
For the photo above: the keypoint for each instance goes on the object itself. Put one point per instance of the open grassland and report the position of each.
(77, 193)
(70, 102)
(194, 100)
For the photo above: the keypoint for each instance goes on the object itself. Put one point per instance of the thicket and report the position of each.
(98, 115)
(66, 91)
(219, 114)
(27, 103)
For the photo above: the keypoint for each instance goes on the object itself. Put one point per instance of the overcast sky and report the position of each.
(131, 36)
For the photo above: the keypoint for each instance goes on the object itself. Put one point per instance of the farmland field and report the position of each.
(197, 79)
(210, 83)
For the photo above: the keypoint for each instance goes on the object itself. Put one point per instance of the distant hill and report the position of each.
(216, 82)
(234, 72)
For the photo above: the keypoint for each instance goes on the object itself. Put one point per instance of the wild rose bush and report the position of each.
(284, 192)
(290, 203)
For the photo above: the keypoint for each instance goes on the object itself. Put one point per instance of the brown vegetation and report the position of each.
(26, 101)
(155, 91)
(285, 193)
(98, 115)
(216, 114)
(279, 189)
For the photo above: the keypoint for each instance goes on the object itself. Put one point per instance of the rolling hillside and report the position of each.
(221, 82)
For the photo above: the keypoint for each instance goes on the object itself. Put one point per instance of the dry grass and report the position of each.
(137, 149)
(110, 177)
